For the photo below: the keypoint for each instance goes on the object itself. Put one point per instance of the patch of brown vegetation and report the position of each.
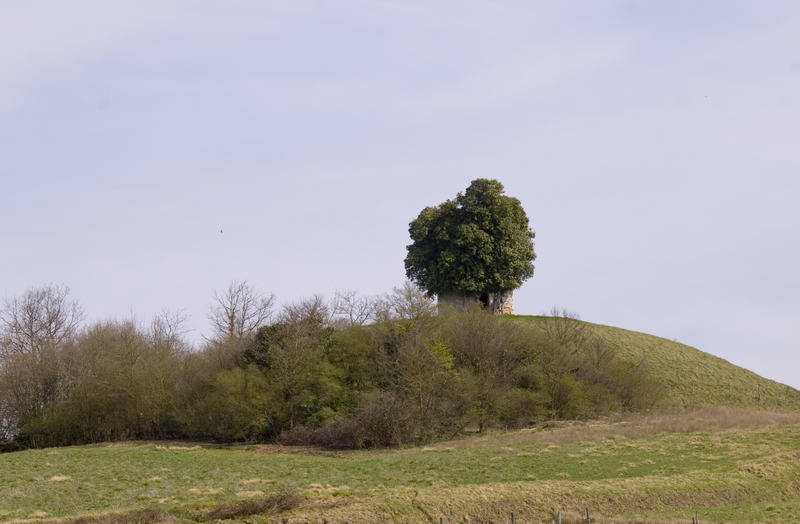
(143, 516)
(205, 491)
(275, 503)
(280, 449)
(59, 478)
(250, 493)
(258, 481)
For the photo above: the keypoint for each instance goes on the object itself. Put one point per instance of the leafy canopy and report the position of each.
(480, 242)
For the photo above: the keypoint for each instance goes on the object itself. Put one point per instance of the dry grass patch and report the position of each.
(280, 449)
(319, 489)
(142, 516)
(59, 478)
(177, 448)
(205, 491)
(259, 481)
(610, 500)
(275, 503)
(773, 467)
(249, 494)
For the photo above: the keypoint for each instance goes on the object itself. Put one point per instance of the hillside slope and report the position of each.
(692, 377)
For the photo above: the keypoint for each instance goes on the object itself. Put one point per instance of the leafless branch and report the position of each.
(169, 328)
(41, 317)
(312, 309)
(239, 310)
(350, 309)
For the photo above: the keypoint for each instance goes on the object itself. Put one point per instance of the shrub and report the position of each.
(341, 434)
(519, 407)
(569, 400)
(385, 419)
(236, 407)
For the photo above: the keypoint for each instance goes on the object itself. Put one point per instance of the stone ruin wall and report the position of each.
(498, 303)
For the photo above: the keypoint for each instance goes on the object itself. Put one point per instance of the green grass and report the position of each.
(694, 378)
(780, 511)
(642, 467)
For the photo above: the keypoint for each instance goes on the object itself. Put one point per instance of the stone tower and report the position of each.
(498, 303)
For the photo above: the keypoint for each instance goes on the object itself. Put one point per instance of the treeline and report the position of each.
(350, 373)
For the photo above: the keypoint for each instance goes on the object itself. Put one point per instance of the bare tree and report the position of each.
(33, 329)
(565, 328)
(168, 328)
(407, 302)
(350, 309)
(239, 311)
(41, 317)
(312, 310)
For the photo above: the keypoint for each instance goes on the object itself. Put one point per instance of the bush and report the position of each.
(384, 419)
(342, 434)
(569, 400)
(410, 378)
(519, 407)
(115, 383)
(236, 407)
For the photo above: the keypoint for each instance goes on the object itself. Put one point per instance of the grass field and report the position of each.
(725, 464)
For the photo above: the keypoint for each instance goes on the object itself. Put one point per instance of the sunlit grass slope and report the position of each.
(694, 378)
(726, 464)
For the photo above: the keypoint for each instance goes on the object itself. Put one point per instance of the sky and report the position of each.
(653, 146)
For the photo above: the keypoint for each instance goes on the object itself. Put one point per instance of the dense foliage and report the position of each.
(476, 244)
(313, 375)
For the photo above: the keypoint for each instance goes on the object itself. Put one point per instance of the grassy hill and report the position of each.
(725, 446)
(694, 378)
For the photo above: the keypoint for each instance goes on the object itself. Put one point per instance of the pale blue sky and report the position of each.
(653, 145)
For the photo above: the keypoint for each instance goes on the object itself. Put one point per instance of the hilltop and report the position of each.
(691, 377)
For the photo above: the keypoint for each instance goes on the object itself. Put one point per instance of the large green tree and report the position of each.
(476, 245)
